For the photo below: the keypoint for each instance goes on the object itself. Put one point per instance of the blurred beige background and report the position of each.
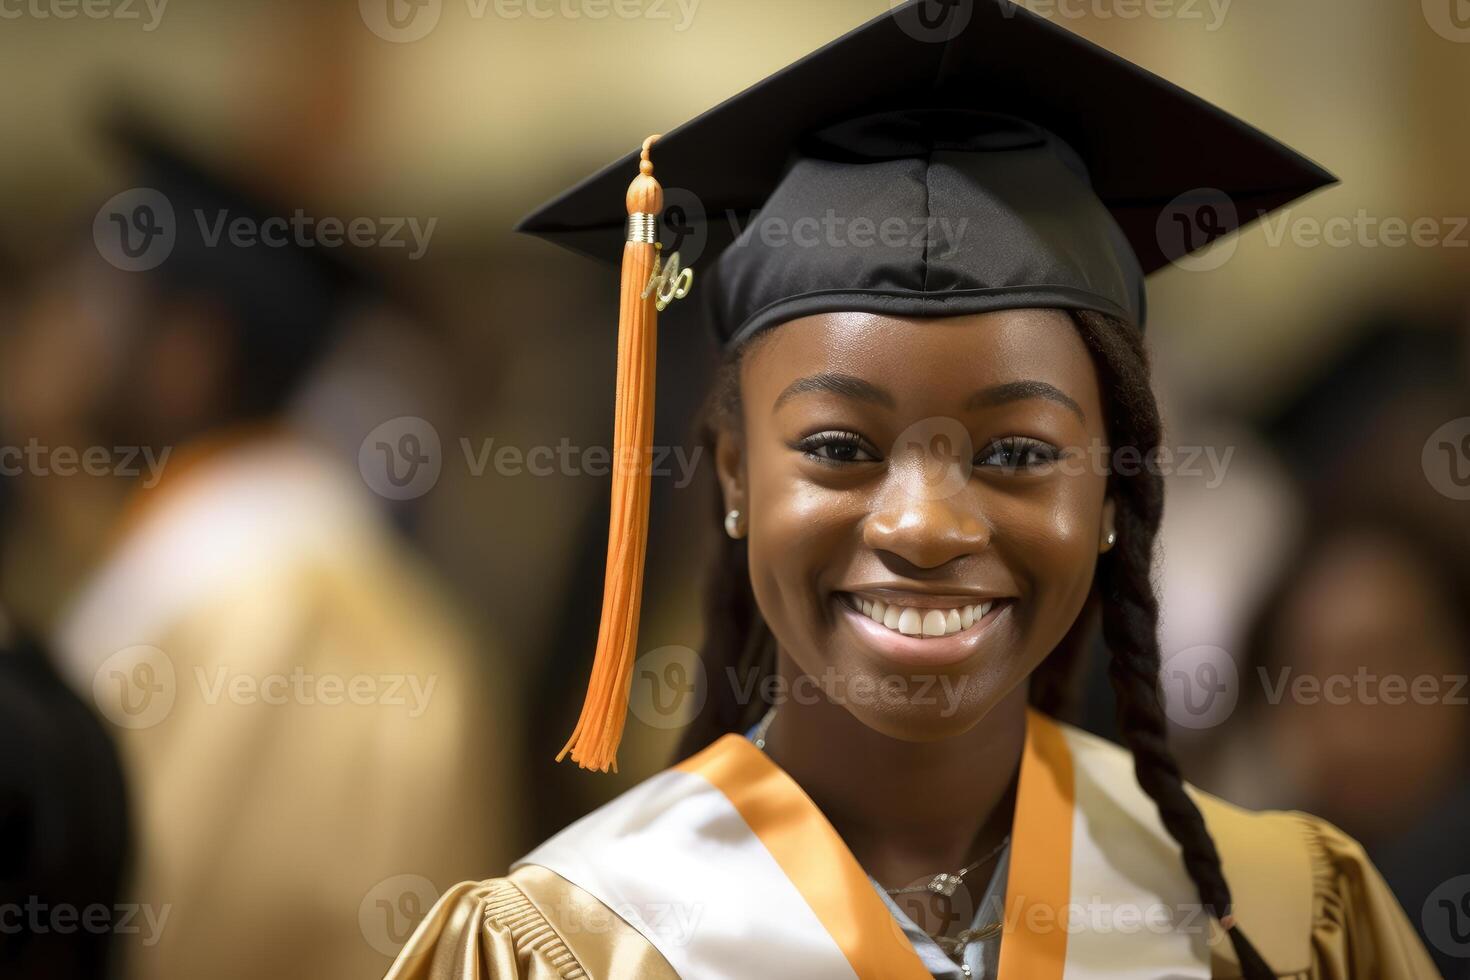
(499, 106)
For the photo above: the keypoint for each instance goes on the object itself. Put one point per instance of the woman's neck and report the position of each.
(906, 810)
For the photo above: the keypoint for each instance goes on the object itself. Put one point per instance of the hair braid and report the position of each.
(1130, 614)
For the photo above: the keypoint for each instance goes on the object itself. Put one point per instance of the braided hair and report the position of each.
(1122, 597)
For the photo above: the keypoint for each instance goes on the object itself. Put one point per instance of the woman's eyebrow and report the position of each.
(1011, 391)
(849, 386)
(845, 385)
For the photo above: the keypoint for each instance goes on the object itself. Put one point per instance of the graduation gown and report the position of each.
(721, 866)
(316, 728)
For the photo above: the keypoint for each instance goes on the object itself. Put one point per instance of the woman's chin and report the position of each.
(923, 708)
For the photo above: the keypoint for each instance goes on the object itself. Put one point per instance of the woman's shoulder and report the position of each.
(530, 922)
(1305, 892)
(1309, 893)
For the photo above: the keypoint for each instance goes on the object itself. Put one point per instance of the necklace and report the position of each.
(759, 738)
(943, 883)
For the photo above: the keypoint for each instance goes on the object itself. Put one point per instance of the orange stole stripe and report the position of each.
(1039, 885)
(812, 855)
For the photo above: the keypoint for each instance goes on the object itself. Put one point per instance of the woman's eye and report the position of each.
(836, 447)
(1015, 453)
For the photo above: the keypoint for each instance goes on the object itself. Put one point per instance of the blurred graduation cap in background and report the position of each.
(1054, 174)
(203, 235)
(1354, 431)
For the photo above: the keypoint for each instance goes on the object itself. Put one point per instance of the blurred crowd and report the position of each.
(302, 512)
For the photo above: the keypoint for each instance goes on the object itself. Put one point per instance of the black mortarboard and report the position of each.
(1078, 172)
(947, 157)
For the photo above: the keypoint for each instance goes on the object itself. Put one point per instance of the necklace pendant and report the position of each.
(944, 884)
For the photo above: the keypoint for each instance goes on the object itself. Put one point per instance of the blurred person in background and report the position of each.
(299, 711)
(64, 834)
(1355, 688)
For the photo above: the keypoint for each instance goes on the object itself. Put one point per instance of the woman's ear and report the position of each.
(1109, 532)
(730, 469)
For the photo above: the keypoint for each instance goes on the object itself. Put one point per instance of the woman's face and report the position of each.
(925, 502)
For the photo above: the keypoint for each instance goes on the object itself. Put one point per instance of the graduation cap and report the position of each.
(948, 157)
(201, 233)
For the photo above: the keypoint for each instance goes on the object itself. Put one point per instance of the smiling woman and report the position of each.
(914, 441)
(983, 503)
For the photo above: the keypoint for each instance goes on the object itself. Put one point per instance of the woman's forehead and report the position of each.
(933, 356)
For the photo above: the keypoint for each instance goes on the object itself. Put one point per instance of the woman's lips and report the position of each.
(932, 631)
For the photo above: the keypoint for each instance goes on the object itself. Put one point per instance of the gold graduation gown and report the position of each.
(721, 866)
(300, 717)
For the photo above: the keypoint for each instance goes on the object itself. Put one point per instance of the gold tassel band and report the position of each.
(643, 227)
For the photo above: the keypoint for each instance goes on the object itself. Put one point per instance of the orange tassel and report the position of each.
(594, 742)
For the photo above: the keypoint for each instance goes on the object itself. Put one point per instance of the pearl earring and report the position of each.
(1112, 536)
(732, 525)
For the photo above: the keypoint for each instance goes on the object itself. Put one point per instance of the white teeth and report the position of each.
(912, 621)
(934, 622)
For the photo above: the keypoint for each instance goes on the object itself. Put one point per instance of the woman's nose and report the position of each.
(928, 531)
